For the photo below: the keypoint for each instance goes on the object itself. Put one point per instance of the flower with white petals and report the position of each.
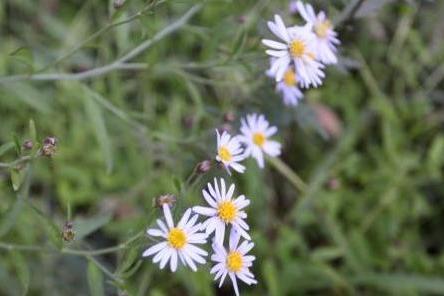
(223, 210)
(256, 132)
(235, 262)
(288, 87)
(229, 152)
(326, 37)
(178, 241)
(297, 49)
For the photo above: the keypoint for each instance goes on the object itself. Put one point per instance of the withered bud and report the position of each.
(118, 3)
(203, 167)
(168, 199)
(229, 117)
(49, 146)
(68, 233)
(27, 145)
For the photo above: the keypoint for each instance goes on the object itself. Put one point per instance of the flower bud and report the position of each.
(49, 146)
(229, 117)
(68, 233)
(168, 199)
(27, 145)
(203, 167)
(118, 3)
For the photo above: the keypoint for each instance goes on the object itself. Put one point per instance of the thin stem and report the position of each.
(104, 269)
(100, 32)
(124, 245)
(119, 64)
(288, 173)
(348, 12)
(17, 162)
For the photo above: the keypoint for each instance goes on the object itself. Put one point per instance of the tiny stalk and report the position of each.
(288, 173)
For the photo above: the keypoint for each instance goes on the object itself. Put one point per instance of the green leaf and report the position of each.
(18, 177)
(270, 273)
(25, 56)
(84, 227)
(95, 115)
(401, 282)
(95, 280)
(6, 147)
(22, 270)
(17, 143)
(32, 131)
(53, 231)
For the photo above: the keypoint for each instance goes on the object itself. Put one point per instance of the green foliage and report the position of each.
(368, 220)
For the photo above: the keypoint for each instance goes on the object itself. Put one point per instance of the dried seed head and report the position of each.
(49, 146)
(27, 145)
(204, 166)
(68, 233)
(168, 199)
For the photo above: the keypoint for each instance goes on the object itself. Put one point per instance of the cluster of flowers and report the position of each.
(223, 211)
(299, 58)
(303, 55)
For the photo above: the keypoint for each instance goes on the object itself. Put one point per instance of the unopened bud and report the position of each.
(334, 184)
(229, 117)
(241, 19)
(204, 166)
(49, 146)
(68, 233)
(27, 145)
(118, 3)
(167, 199)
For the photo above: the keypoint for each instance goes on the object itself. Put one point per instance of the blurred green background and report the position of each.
(369, 144)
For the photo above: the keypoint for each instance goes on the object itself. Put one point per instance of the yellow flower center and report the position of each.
(234, 261)
(225, 154)
(290, 78)
(227, 211)
(321, 28)
(177, 238)
(297, 48)
(259, 139)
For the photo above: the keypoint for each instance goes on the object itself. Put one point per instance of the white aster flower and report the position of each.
(236, 263)
(298, 49)
(288, 87)
(223, 210)
(326, 37)
(229, 152)
(256, 132)
(178, 241)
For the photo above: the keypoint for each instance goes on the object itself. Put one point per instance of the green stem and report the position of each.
(288, 173)
(29, 248)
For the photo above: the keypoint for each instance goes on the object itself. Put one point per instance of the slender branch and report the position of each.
(17, 162)
(288, 173)
(30, 248)
(348, 12)
(100, 32)
(116, 65)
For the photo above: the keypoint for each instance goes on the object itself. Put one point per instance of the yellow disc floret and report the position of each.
(321, 28)
(177, 238)
(297, 48)
(225, 154)
(290, 78)
(234, 261)
(227, 211)
(259, 139)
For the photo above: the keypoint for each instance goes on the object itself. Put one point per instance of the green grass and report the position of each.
(368, 220)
